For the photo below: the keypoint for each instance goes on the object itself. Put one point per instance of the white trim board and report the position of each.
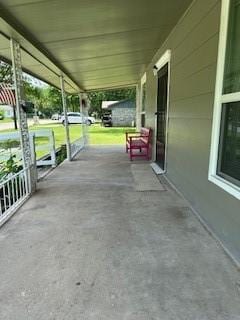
(156, 168)
(144, 79)
(165, 58)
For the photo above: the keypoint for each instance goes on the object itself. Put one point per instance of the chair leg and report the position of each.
(148, 154)
(131, 155)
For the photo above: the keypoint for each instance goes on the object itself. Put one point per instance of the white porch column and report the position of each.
(27, 156)
(138, 107)
(85, 112)
(64, 104)
(83, 116)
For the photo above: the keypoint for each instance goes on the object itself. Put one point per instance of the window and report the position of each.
(231, 82)
(229, 146)
(143, 120)
(143, 99)
(224, 169)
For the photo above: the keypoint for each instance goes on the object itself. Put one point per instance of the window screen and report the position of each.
(142, 120)
(143, 96)
(229, 149)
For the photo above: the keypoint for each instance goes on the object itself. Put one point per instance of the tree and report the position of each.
(96, 98)
(6, 73)
(73, 102)
(53, 99)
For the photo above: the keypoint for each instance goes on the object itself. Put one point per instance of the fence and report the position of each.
(44, 147)
(48, 147)
(17, 188)
(76, 146)
(14, 191)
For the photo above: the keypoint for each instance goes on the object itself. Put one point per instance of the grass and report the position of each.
(98, 135)
(6, 120)
(107, 135)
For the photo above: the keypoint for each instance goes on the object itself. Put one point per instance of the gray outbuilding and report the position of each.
(123, 113)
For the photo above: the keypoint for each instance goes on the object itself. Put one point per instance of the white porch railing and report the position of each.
(48, 146)
(14, 191)
(76, 146)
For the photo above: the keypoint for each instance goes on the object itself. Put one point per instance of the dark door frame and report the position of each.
(164, 60)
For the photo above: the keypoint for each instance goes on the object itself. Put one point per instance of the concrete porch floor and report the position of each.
(88, 246)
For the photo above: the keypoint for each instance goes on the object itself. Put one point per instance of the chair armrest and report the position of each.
(130, 133)
(135, 137)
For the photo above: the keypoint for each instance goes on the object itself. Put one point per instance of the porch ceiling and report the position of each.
(97, 44)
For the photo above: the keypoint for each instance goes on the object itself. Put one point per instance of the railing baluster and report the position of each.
(20, 185)
(9, 195)
(13, 191)
(4, 197)
(24, 184)
(1, 211)
(16, 188)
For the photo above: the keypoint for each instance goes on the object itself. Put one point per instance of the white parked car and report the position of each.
(55, 116)
(76, 117)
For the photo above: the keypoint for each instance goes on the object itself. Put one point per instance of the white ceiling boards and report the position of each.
(96, 44)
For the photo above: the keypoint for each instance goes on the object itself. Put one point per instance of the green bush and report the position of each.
(9, 167)
(62, 154)
(2, 114)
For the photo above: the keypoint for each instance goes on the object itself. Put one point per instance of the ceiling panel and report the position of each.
(81, 38)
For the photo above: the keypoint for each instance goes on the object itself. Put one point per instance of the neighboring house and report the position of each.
(8, 111)
(192, 102)
(123, 113)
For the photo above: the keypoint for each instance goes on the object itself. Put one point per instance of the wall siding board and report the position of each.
(196, 107)
(204, 32)
(194, 46)
(205, 55)
(194, 16)
(197, 84)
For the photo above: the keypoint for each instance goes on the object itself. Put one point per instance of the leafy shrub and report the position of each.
(62, 154)
(2, 114)
(9, 167)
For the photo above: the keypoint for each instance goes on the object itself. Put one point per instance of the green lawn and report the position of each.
(98, 135)
(6, 120)
(107, 135)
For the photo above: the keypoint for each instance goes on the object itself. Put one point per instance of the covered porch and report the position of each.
(88, 245)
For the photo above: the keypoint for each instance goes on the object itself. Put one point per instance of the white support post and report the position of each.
(82, 114)
(28, 158)
(64, 104)
(138, 107)
(85, 113)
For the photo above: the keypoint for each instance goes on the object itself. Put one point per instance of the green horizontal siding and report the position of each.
(194, 45)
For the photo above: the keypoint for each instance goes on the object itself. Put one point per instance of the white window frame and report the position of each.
(221, 98)
(143, 81)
